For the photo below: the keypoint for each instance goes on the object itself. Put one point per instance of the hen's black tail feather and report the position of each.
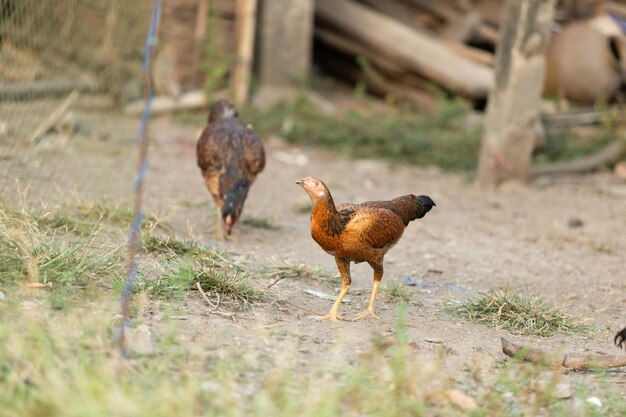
(620, 338)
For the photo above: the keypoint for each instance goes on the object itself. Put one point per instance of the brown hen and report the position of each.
(359, 233)
(230, 156)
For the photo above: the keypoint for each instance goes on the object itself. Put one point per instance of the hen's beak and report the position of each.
(300, 182)
(230, 222)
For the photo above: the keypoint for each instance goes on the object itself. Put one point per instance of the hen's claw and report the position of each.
(366, 313)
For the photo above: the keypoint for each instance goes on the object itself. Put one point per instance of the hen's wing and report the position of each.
(372, 224)
(381, 223)
(210, 157)
(408, 207)
(230, 157)
(376, 226)
(253, 153)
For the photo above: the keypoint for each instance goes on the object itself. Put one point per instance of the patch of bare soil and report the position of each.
(520, 237)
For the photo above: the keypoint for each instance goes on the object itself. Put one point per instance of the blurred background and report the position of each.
(309, 72)
(379, 98)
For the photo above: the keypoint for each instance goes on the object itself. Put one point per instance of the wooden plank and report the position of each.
(246, 19)
(419, 52)
(351, 47)
(438, 8)
(608, 155)
(400, 11)
(378, 85)
(569, 361)
(474, 54)
(164, 104)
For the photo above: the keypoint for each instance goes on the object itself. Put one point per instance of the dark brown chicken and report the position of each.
(620, 338)
(230, 157)
(359, 233)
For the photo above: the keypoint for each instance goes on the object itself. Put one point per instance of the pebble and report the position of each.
(563, 391)
(461, 400)
(28, 305)
(211, 386)
(594, 401)
(139, 340)
(575, 222)
(1, 296)
(4, 129)
(508, 396)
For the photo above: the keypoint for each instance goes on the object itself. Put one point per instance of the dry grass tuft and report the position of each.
(282, 269)
(517, 313)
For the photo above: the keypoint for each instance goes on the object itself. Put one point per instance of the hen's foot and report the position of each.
(366, 313)
(219, 234)
(331, 317)
(222, 235)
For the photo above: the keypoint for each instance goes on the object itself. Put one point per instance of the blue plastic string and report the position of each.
(142, 141)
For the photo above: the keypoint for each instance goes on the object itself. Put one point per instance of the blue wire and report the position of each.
(143, 168)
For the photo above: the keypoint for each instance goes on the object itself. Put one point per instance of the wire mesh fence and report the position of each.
(56, 59)
(68, 67)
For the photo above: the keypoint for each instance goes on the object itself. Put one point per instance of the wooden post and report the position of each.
(512, 125)
(246, 18)
(201, 20)
(285, 48)
(111, 27)
(409, 48)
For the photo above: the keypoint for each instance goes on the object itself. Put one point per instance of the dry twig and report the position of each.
(575, 362)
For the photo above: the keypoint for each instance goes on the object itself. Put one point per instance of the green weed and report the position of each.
(396, 291)
(169, 245)
(288, 270)
(180, 277)
(27, 253)
(441, 139)
(517, 313)
(260, 223)
(69, 367)
(117, 214)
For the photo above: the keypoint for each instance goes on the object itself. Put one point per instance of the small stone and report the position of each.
(562, 391)
(1, 296)
(594, 401)
(28, 305)
(211, 387)
(139, 340)
(544, 182)
(461, 400)
(620, 170)
(577, 407)
(575, 222)
(4, 129)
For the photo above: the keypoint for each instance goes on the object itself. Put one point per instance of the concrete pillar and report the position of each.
(284, 51)
(512, 122)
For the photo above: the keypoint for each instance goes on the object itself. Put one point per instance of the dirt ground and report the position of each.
(472, 241)
(518, 237)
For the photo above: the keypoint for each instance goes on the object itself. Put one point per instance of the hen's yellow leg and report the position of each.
(369, 311)
(219, 227)
(344, 269)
